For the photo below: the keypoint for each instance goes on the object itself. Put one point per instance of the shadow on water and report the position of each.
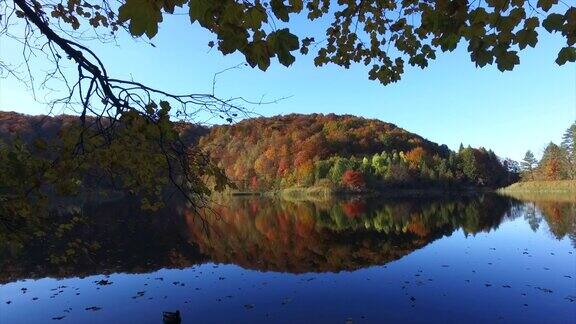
(257, 233)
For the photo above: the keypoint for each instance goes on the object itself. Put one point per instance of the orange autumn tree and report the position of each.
(415, 157)
(552, 162)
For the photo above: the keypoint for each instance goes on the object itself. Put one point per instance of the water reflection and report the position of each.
(297, 237)
(250, 260)
(258, 233)
(97, 239)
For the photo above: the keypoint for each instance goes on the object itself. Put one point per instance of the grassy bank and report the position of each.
(543, 187)
(325, 193)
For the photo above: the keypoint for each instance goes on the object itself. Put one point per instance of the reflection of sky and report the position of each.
(435, 276)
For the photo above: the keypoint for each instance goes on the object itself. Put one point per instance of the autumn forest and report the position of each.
(338, 153)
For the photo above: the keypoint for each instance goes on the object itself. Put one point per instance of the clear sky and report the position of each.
(450, 102)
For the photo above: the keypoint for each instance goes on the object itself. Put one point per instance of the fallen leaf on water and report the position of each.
(93, 308)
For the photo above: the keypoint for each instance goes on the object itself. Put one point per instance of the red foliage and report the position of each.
(353, 180)
(353, 208)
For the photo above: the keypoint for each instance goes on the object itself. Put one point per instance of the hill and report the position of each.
(345, 152)
(30, 127)
(342, 152)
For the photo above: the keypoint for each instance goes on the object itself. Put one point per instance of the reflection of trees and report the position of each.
(314, 237)
(255, 233)
(104, 238)
(559, 211)
(531, 216)
(560, 217)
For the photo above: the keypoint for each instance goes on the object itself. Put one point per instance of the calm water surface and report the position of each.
(474, 259)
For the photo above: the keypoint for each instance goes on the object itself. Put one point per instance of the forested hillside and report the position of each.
(337, 152)
(29, 128)
(344, 152)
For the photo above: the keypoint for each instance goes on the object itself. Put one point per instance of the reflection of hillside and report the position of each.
(110, 237)
(309, 237)
(254, 233)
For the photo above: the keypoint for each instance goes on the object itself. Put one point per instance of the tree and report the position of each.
(415, 157)
(529, 163)
(468, 164)
(359, 32)
(353, 180)
(552, 162)
(568, 145)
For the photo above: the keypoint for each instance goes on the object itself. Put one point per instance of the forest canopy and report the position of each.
(345, 152)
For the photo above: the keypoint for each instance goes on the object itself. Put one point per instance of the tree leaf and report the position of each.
(553, 22)
(255, 16)
(283, 42)
(144, 16)
(566, 54)
(258, 54)
(199, 10)
(280, 10)
(526, 37)
(507, 60)
(546, 4)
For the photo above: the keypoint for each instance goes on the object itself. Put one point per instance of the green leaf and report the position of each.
(255, 16)
(258, 54)
(507, 60)
(169, 5)
(499, 5)
(526, 37)
(570, 29)
(144, 16)
(232, 13)
(199, 11)
(553, 22)
(280, 10)
(566, 54)
(546, 4)
(531, 23)
(232, 38)
(283, 42)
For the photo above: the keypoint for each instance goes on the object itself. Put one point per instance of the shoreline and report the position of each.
(541, 187)
(535, 189)
(316, 192)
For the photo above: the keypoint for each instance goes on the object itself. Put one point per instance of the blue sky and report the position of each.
(450, 102)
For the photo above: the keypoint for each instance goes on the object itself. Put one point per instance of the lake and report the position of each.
(480, 258)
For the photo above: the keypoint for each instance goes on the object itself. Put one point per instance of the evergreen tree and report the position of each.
(568, 146)
(528, 164)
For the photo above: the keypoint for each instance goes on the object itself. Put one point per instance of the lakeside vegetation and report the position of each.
(558, 162)
(553, 187)
(554, 173)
